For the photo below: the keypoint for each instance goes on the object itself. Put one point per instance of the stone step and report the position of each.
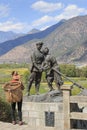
(10, 126)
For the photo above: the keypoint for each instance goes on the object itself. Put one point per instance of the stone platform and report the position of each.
(44, 111)
(51, 96)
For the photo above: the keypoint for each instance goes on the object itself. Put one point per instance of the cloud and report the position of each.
(42, 20)
(4, 10)
(10, 25)
(46, 7)
(73, 10)
(67, 13)
(70, 11)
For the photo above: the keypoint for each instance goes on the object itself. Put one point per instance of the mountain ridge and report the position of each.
(34, 30)
(5, 36)
(67, 42)
(8, 45)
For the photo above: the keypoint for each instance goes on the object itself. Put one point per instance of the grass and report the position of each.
(43, 88)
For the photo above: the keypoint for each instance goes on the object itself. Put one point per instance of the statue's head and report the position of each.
(45, 51)
(39, 45)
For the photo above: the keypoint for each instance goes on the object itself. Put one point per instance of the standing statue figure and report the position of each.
(36, 70)
(49, 65)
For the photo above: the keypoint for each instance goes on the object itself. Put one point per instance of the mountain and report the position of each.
(67, 41)
(5, 36)
(34, 30)
(8, 45)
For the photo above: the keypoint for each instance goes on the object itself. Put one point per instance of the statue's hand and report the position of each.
(43, 68)
(40, 69)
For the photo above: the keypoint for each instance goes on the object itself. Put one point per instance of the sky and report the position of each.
(21, 16)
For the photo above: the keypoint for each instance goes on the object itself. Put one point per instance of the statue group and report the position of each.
(42, 60)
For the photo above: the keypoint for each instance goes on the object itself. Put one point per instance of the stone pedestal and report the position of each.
(43, 114)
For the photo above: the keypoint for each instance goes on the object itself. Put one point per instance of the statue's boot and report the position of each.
(59, 89)
(50, 87)
(27, 94)
(29, 87)
(37, 90)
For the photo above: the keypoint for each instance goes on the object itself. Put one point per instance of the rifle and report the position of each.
(81, 87)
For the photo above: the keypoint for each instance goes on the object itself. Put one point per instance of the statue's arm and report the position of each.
(33, 59)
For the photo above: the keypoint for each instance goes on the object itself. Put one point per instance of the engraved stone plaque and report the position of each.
(49, 119)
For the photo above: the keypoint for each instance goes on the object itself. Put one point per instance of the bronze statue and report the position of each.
(49, 65)
(36, 70)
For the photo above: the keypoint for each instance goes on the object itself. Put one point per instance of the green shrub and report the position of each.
(5, 112)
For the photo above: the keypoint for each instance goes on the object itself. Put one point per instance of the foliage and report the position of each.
(84, 71)
(75, 91)
(69, 70)
(5, 114)
(14, 65)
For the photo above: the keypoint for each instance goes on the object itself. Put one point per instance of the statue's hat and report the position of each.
(39, 43)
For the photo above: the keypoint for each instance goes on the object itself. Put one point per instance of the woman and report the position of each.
(15, 84)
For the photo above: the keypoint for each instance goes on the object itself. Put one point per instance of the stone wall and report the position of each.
(43, 115)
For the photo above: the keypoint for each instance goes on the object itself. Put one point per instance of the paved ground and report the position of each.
(9, 126)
